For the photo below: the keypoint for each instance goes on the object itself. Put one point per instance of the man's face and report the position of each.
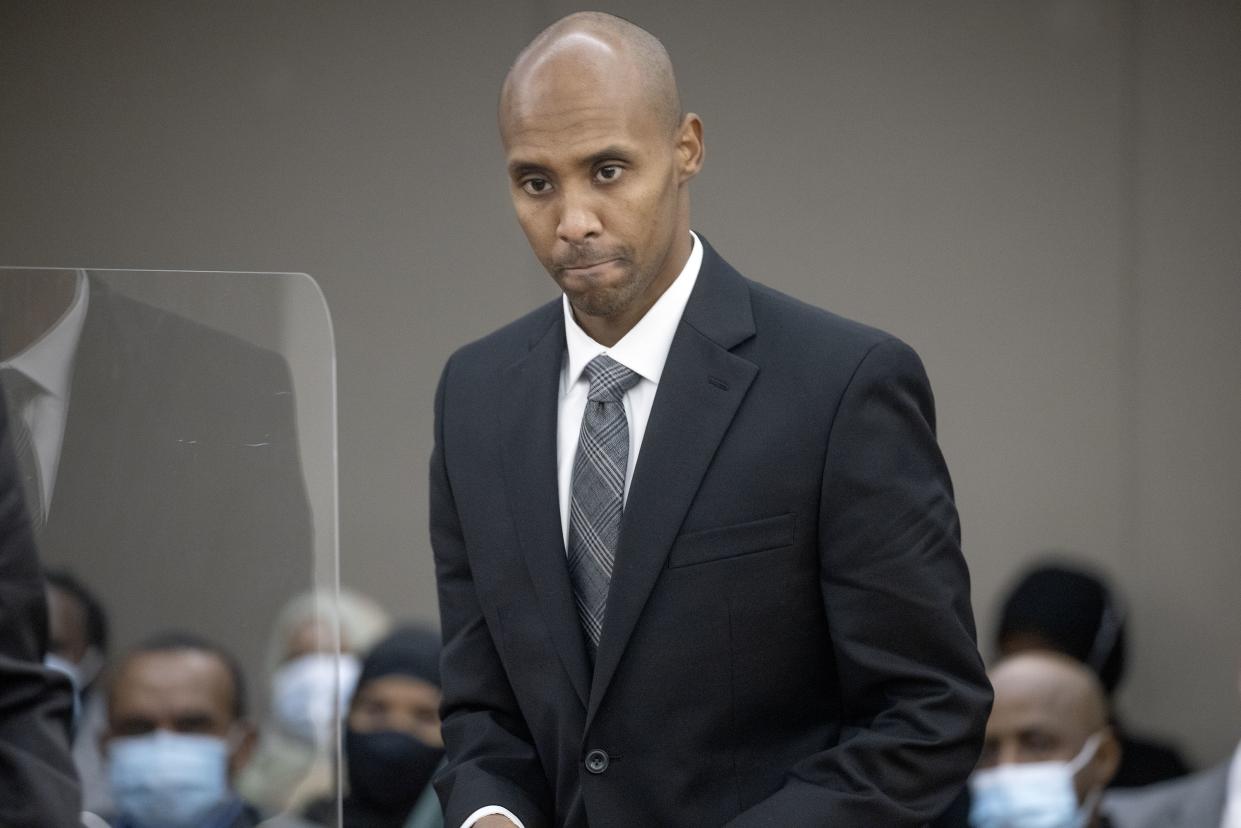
(67, 624)
(400, 703)
(1039, 722)
(595, 175)
(181, 691)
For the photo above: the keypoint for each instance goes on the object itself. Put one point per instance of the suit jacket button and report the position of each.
(596, 761)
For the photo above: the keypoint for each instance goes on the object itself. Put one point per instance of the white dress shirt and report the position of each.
(48, 363)
(643, 350)
(1232, 796)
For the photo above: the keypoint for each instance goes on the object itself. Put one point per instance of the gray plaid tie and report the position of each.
(598, 490)
(18, 391)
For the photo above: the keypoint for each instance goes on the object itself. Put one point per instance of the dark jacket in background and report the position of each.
(38, 785)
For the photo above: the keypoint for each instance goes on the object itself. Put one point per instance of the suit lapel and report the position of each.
(702, 386)
(95, 429)
(528, 431)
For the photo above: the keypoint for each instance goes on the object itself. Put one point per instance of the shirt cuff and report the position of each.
(488, 810)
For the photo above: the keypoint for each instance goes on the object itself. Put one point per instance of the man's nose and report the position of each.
(1009, 754)
(579, 220)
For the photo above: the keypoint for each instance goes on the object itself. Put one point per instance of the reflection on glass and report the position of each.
(157, 420)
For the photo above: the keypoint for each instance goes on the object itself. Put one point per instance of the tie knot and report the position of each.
(609, 380)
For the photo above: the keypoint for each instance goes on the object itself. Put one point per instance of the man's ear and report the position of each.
(1102, 768)
(242, 743)
(691, 151)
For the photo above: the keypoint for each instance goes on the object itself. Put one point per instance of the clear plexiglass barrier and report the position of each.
(175, 440)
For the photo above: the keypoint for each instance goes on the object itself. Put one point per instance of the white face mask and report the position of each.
(1033, 794)
(308, 694)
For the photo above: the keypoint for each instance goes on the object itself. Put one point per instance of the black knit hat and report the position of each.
(407, 651)
(1074, 612)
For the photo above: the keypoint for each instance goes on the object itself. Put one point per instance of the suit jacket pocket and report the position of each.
(725, 542)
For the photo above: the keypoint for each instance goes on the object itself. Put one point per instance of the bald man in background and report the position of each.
(697, 552)
(1049, 751)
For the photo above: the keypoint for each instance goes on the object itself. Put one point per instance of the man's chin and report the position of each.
(595, 304)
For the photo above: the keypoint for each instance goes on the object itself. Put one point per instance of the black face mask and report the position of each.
(389, 770)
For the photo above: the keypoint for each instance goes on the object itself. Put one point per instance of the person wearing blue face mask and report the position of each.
(1049, 751)
(176, 735)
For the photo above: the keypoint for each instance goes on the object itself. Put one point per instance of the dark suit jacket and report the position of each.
(788, 637)
(38, 786)
(179, 496)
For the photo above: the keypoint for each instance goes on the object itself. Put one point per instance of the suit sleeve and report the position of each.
(38, 785)
(490, 755)
(915, 697)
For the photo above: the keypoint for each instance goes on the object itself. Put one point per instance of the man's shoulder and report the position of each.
(129, 336)
(811, 341)
(784, 322)
(802, 319)
(1165, 804)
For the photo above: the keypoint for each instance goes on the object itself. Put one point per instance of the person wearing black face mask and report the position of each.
(392, 738)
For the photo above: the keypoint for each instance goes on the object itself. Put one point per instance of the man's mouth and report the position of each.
(582, 268)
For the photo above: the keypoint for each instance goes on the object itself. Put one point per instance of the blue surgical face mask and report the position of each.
(80, 673)
(1033, 794)
(168, 780)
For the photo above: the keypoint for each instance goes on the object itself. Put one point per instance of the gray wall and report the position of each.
(1042, 197)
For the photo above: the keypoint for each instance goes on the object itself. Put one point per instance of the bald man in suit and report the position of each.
(697, 552)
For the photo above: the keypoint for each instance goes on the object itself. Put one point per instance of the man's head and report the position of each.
(599, 160)
(176, 729)
(1048, 743)
(77, 627)
(1070, 610)
(392, 736)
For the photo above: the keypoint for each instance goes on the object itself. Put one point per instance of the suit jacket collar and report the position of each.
(102, 380)
(719, 308)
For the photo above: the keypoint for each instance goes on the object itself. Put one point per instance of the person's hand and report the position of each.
(495, 821)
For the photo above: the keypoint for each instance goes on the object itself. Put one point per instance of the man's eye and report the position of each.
(536, 186)
(611, 172)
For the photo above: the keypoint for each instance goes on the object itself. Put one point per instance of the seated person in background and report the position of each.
(392, 737)
(176, 735)
(1208, 799)
(1049, 751)
(1072, 611)
(78, 647)
(292, 765)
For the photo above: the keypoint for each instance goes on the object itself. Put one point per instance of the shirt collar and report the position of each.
(644, 349)
(1232, 796)
(48, 361)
